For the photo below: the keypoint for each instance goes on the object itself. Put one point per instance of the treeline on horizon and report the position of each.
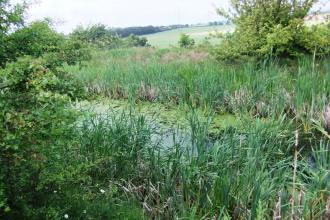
(143, 30)
(102, 36)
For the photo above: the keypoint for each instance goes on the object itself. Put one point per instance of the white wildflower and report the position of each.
(66, 216)
(102, 191)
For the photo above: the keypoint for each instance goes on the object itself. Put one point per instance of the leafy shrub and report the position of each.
(27, 103)
(272, 28)
(34, 40)
(296, 40)
(101, 36)
(317, 40)
(40, 39)
(35, 120)
(11, 17)
(39, 144)
(136, 41)
(186, 41)
(97, 35)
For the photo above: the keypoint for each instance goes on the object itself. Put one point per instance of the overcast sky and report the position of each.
(123, 13)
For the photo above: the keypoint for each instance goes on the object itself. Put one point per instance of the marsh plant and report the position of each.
(298, 89)
(244, 173)
(269, 159)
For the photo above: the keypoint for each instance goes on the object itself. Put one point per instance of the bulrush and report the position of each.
(326, 115)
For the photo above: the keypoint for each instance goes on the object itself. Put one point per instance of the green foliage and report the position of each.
(317, 40)
(57, 162)
(136, 41)
(296, 40)
(10, 16)
(33, 90)
(34, 40)
(40, 39)
(272, 28)
(24, 120)
(97, 35)
(186, 41)
(114, 165)
(39, 140)
(101, 36)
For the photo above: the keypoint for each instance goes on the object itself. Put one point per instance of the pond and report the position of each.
(173, 123)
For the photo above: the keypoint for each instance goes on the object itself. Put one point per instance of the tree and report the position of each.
(186, 41)
(11, 16)
(265, 27)
(136, 41)
(98, 35)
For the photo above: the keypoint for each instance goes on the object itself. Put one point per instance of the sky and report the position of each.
(67, 14)
(124, 13)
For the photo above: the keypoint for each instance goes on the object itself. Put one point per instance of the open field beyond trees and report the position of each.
(170, 38)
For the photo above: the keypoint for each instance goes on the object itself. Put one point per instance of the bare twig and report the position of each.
(277, 211)
(327, 208)
(295, 164)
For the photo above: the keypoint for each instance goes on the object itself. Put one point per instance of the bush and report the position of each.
(41, 175)
(27, 102)
(186, 41)
(98, 36)
(40, 145)
(36, 124)
(272, 28)
(136, 41)
(11, 17)
(34, 40)
(101, 36)
(40, 39)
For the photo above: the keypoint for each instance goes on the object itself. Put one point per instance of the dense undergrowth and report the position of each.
(59, 161)
(108, 165)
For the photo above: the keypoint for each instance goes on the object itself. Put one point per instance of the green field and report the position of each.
(170, 38)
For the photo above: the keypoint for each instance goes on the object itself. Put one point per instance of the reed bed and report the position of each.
(274, 164)
(176, 76)
(245, 173)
